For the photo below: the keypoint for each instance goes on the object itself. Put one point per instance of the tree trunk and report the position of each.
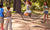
(1, 1)
(18, 6)
(14, 6)
(9, 2)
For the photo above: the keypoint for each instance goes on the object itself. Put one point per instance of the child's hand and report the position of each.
(24, 2)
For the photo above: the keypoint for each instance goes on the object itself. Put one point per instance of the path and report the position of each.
(33, 23)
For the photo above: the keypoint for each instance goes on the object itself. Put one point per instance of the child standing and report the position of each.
(45, 9)
(8, 21)
(1, 16)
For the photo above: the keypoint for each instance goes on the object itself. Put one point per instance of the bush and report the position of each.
(13, 11)
(41, 9)
(33, 7)
(37, 8)
(23, 9)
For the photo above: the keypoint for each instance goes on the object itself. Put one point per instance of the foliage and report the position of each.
(13, 11)
(49, 3)
(36, 4)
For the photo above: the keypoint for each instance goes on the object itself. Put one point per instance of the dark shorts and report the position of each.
(1, 20)
(45, 12)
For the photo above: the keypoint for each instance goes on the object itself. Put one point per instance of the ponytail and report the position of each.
(29, 2)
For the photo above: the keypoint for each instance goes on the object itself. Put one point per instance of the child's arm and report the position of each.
(11, 14)
(3, 12)
(43, 10)
(29, 5)
(48, 8)
(24, 2)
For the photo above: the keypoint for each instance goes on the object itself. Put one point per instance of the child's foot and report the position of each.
(43, 21)
(47, 22)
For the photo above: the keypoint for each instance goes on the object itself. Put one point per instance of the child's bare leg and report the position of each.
(7, 22)
(10, 24)
(30, 15)
(2, 26)
(47, 17)
(2, 22)
(44, 17)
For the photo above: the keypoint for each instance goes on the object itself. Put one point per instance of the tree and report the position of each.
(14, 6)
(1, 1)
(17, 6)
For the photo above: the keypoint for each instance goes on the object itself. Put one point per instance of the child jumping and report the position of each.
(1, 16)
(28, 11)
(8, 21)
(45, 9)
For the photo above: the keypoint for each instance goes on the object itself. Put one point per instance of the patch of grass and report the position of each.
(13, 12)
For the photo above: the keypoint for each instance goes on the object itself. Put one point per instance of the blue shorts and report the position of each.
(45, 12)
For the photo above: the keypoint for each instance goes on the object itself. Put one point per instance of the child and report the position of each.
(45, 9)
(1, 16)
(8, 21)
(28, 11)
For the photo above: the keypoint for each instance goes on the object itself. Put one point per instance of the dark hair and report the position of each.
(1, 5)
(8, 7)
(46, 3)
